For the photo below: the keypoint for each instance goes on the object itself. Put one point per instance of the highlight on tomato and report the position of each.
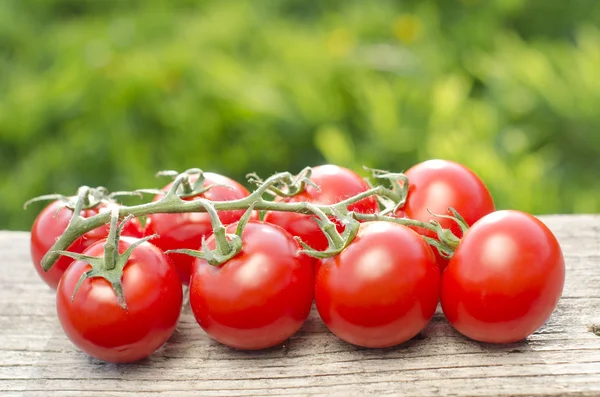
(335, 184)
(505, 278)
(186, 230)
(437, 185)
(381, 290)
(261, 296)
(51, 223)
(120, 329)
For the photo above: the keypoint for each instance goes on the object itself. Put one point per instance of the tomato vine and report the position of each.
(283, 183)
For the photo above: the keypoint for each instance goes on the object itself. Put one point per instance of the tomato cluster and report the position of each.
(500, 284)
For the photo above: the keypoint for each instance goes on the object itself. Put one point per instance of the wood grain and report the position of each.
(561, 359)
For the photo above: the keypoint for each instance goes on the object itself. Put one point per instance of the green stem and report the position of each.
(181, 180)
(82, 202)
(112, 241)
(172, 203)
(223, 245)
(326, 225)
(375, 191)
(401, 221)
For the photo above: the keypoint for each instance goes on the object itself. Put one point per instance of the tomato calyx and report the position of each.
(456, 217)
(287, 187)
(227, 245)
(446, 242)
(399, 191)
(86, 198)
(337, 241)
(109, 266)
(187, 184)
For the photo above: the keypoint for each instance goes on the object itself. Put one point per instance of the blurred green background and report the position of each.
(108, 92)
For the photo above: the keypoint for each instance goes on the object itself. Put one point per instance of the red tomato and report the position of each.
(436, 185)
(336, 184)
(504, 279)
(260, 297)
(96, 323)
(186, 230)
(382, 289)
(50, 225)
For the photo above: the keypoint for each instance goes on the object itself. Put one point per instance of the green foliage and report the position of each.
(108, 92)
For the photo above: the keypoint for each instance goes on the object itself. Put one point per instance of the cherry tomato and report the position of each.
(436, 185)
(382, 289)
(96, 323)
(186, 230)
(260, 297)
(51, 223)
(336, 184)
(504, 279)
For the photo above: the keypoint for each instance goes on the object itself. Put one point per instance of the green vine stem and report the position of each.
(110, 265)
(228, 245)
(172, 202)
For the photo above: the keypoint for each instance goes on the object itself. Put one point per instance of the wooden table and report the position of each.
(562, 358)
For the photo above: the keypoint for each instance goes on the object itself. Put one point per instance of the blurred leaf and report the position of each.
(107, 93)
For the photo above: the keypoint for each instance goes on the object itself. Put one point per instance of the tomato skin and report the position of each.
(51, 223)
(504, 279)
(185, 230)
(436, 185)
(381, 290)
(260, 297)
(336, 184)
(96, 323)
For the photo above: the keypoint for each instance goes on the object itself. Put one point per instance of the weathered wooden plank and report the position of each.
(563, 358)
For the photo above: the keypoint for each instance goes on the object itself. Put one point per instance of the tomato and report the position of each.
(51, 223)
(436, 185)
(504, 279)
(96, 323)
(382, 289)
(336, 184)
(260, 297)
(185, 230)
